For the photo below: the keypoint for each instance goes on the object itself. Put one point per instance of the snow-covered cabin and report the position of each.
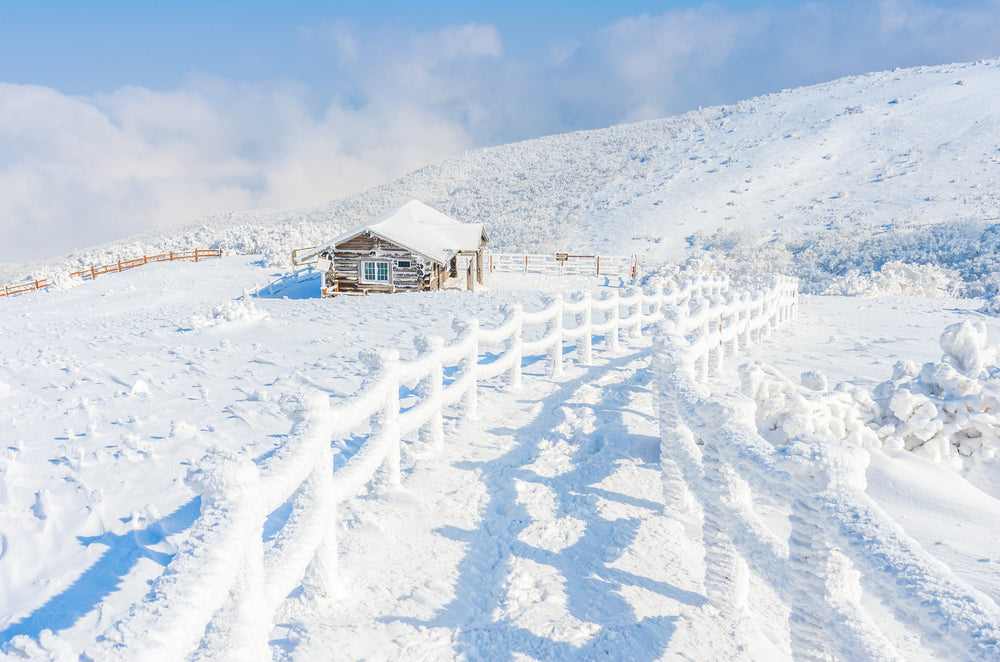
(414, 247)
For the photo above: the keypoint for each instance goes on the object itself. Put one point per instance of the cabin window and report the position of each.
(403, 264)
(375, 272)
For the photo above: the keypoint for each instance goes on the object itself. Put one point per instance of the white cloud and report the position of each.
(74, 171)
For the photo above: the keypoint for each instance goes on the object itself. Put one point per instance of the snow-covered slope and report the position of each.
(823, 167)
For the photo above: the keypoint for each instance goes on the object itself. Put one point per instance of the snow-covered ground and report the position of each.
(540, 530)
(537, 533)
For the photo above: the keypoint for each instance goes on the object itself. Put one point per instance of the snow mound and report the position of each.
(239, 310)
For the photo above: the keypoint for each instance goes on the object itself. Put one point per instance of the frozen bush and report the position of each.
(786, 410)
(946, 411)
(898, 277)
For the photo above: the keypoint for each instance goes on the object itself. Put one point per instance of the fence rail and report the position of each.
(197, 255)
(38, 284)
(247, 587)
(564, 263)
(93, 272)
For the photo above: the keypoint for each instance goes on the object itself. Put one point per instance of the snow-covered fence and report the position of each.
(841, 543)
(625, 266)
(220, 593)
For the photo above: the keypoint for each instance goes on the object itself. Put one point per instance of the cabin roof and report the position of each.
(421, 229)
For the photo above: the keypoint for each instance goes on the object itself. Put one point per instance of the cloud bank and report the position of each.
(75, 171)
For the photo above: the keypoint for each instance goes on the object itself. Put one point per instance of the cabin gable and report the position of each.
(368, 262)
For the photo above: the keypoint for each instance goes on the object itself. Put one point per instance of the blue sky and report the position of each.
(86, 47)
(116, 117)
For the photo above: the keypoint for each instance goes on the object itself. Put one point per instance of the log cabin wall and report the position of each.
(345, 273)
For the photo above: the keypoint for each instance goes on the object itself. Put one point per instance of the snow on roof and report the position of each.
(420, 228)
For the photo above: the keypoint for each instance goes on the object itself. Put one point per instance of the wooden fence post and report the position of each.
(390, 416)
(637, 308)
(555, 327)
(469, 366)
(827, 620)
(513, 343)
(431, 387)
(612, 318)
(320, 579)
(584, 344)
(383, 372)
(726, 572)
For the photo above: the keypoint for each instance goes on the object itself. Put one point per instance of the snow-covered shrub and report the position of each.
(746, 255)
(66, 282)
(947, 411)
(898, 277)
(786, 410)
(991, 306)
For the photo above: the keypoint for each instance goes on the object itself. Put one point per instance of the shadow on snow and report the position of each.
(592, 586)
(106, 574)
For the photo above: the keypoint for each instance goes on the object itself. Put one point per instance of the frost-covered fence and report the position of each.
(625, 266)
(841, 544)
(219, 595)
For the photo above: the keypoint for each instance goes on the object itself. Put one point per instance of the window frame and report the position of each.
(388, 272)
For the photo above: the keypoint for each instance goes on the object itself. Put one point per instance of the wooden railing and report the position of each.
(11, 290)
(93, 272)
(625, 266)
(196, 255)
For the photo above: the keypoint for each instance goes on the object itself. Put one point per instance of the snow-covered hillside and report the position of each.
(821, 180)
